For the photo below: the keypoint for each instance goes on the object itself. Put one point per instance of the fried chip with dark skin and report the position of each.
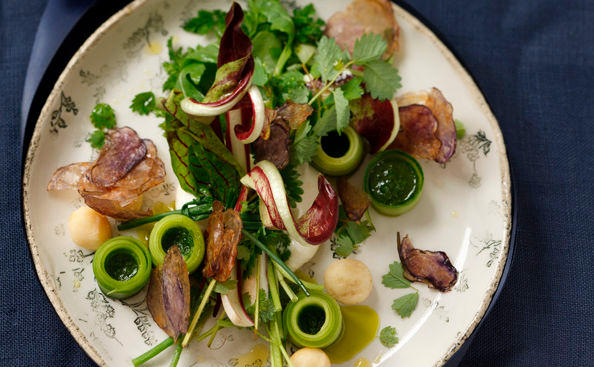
(364, 16)
(122, 151)
(294, 113)
(430, 267)
(123, 198)
(224, 233)
(354, 200)
(276, 148)
(427, 128)
(168, 296)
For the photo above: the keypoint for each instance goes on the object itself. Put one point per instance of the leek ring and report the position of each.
(179, 230)
(305, 326)
(122, 267)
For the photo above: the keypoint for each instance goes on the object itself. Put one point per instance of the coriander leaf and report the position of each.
(308, 27)
(266, 307)
(368, 47)
(103, 117)
(143, 103)
(343, 113)
(293, 185)
(275, 14)
(388, 337)
(395, 278)
(328, 58)
(280, 242)
(291, 86)
(207, 21)
(304, 149)
(97, 139)
(327, 123)
(460, 129)
(243, 252)
(343, 245)
(358, 232)
(352, 89)
(405, 305)
(225, 287)
(381, 79)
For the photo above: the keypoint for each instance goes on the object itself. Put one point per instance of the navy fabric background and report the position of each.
(534, 61)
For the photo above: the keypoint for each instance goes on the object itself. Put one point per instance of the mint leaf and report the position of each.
(103, 117)
(327, 123)
(368, 47)
(388, 337)
(405, 305)
(343, 113)
(206, 22)
(97, 139)
(395, 278)
(143, 103)
(304, 149)
(225, 287)
(308, 27)
(328, 58)
(381, 79)
(352, 89)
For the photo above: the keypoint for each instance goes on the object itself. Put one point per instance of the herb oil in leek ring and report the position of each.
(394, 182)
(181, 231)
(314, 321)
(122, 266)
(339, 155)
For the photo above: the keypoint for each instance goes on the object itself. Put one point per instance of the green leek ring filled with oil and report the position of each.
(122, 266)
(314, 321)
(179, 230)
(394, 182)
(340, 162)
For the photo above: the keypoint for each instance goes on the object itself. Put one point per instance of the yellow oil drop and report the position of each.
(154, 48)
(362, 362)
(143, 232)
(257, 357)
(360, 329)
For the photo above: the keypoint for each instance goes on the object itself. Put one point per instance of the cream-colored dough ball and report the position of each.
(88, 228)
(348, 281)
(310, 357)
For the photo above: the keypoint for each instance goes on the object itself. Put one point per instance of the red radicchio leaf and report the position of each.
(315, 226)
(234, 75)
(427, 128)
(375, 120)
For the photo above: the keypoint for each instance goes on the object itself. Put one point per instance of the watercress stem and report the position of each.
(205, 298)
(145, 357)
(276, 259)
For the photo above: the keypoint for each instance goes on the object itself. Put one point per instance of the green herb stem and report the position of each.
(273, 286)
(197, 212)
(284, 57)
(176, 355)
(309, 285)
(257, 311)
(145, 357)
(276, 259)
(327, 86)
(188, 336)
(288, 290)
(216, 329)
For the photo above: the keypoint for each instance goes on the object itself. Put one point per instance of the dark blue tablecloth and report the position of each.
(534, 61)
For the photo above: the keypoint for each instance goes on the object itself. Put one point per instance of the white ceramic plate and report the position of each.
(464, 210)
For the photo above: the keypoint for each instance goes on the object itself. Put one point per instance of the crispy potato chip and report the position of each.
(364, 16)
(224, 233)
(354, 200)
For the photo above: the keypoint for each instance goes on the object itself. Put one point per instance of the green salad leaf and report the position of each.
(308, 27)
(381, 79)
(405, 305)
(328, 58)
(368, 47)
(103, 116)
(395, 278)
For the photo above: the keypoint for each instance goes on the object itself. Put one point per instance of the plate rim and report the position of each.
(415, 22)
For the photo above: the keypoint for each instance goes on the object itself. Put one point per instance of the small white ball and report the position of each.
(88, 228)
(310, 357)
(348, 281)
